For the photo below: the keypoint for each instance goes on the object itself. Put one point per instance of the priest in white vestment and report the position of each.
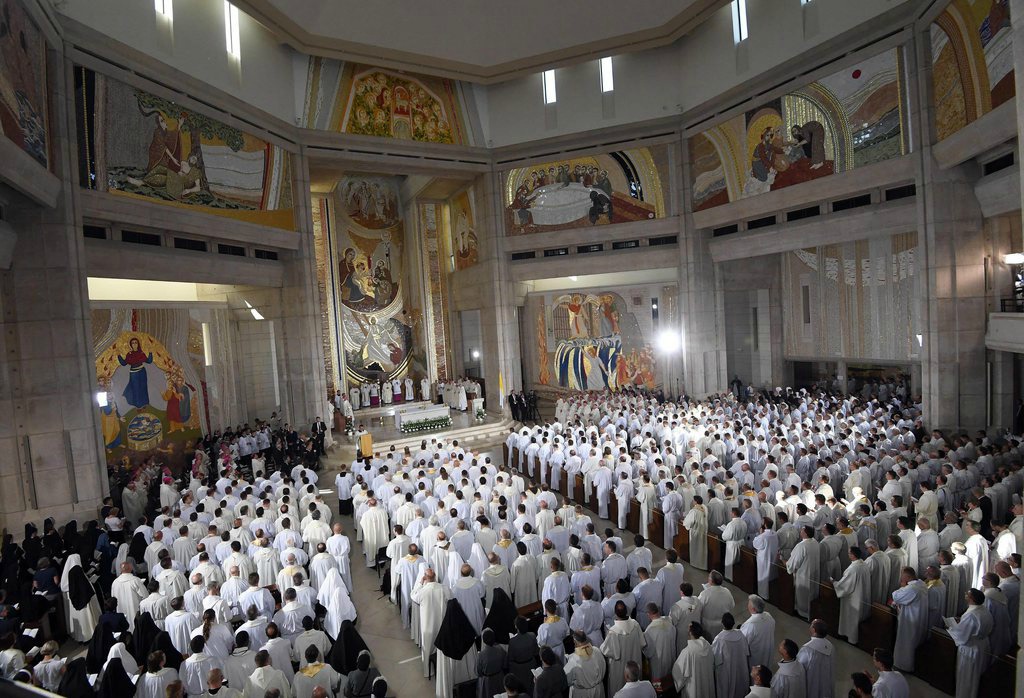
(432, 597)
(759, 629)
(660, 639)
(766, 543)
(715, 601)
(911, 603)
(524, 578)
(585, 668)
(469, 592)
(734, 534)
(790, 679)
(496, 576)
(130, 591)
(971, 635)
(804, 565)
(696, 524)
(818, 659)
(373, 525)
(854, 592)
(686, 610)
(732, 660)
(694, 670)
(623, 643)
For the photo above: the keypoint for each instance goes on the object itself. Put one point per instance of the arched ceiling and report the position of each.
(477, 40)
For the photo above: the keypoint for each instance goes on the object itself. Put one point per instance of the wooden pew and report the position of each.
(744, 572)
(935, 661)
(563, 485)
(656, 529)
(633, 517)
(682, 544)
(505, 454)
(782, 592)
(515, 458)
(716, 554)
(613, 511)
(999, 679)
(826, 606)
(879, 630)
(578, 490)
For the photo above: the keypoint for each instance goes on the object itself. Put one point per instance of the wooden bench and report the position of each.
(716, 554)
(682, 543)
(656, 529)
(1000, 678)
(505, 454)
(515, 459)
(936, 661)
(782, 591)
(633, 517)
(826, 606)
(613, 510)
(879, 630)
(744, 572)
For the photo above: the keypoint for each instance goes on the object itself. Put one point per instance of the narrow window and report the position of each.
(549, 87)
(805, 301)
(234, 44)
(739, 20)
(165, 8)
(607, 76)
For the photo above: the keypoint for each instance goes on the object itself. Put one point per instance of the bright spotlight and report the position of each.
(1014, 258)
(476, 354)
(669, 342)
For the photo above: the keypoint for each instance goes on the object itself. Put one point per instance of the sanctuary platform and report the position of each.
(465, 428)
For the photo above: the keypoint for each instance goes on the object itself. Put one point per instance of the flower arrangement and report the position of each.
(480, 414)
(426, 425)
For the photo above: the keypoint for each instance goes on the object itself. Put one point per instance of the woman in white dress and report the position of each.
(81, 607)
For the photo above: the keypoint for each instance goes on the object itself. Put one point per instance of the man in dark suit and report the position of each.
(513, 405)
(551, 683)
(319, 431)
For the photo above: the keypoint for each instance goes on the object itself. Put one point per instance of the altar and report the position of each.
(419, 411)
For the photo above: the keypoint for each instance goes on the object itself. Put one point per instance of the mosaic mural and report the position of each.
(972, 62)
(370, 101)
(151, 371)
(857, 299)
(437, 282)
(140, 145)
(586, 191)
(23, 100)
(464, 242)
(851, 118)
(376, 324)
(595, 339)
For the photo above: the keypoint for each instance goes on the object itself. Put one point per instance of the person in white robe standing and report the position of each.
(660, 642)
(818, 658)
(672, 508)
(624, 643)
(694, 670)
(715, 601)
(432, 597)
(524, 578)
(889, 682)
(696, 524)
(497, 576)
(854, 592)
(469, 592)
(374, 526)
(804, 565)
(766, 543)
(585, 668)
(130, 592)
(971, 635)
(911, 603)
(556, 587)
(732, 660)
(734, 534)
(790, 679)
(686, 610)
(977, 553)
(759, 629)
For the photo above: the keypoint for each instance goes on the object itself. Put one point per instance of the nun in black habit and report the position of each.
(144, 637)
(172, 657)
(116, 683)
(75, 681)
(99, 647)
(456, 649)
(502, 616)
(346, 649)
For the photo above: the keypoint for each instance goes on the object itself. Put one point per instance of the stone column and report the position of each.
(51, 460)
(701, 300)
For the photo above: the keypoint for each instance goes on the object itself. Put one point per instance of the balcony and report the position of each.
(1006, 328)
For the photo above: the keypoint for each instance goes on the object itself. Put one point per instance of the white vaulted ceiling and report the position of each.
(477, 40)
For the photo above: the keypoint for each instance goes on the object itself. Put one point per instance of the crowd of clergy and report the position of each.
(828, 487)
(454, 394)
(222, 586)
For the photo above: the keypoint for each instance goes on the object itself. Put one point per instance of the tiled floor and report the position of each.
(398, 657)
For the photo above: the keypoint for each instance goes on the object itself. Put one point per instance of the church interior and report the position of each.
(351, 250)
